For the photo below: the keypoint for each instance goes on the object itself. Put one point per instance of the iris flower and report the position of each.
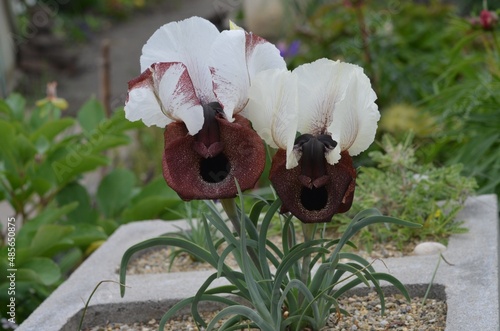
(318, 116)
(194, 83)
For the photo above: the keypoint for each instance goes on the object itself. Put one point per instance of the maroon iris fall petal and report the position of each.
(314, 204)
(206, 165)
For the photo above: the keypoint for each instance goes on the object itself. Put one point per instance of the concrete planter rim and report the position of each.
(470, 285)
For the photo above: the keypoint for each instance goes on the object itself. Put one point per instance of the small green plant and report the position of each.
(401, 187)
(290, 298)
(43, 159)
(195, 233)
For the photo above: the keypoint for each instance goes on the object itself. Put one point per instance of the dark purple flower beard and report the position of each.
(214, 165)
(205, 166)
(312, 160)
(314, 190)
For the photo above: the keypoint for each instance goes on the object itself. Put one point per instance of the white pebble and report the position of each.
(428, 248)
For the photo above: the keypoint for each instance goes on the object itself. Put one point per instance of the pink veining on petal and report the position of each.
(215, 85)
(251, 41)
(143, 80)
(184, 90)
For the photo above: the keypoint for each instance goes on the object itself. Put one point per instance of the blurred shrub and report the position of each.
(43, 159)
(436, 74)
(401, 187)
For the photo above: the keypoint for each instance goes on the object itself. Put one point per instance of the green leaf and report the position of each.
(49, 216)
(151, 208)
(115, 191)
(70, 260)
(42, 144)
(41, 185)
(25, 149)
(40, 270)
(17, 105)
(85, 234)
(49, 235)
(395, 282)
(5, 109)
(109, 226)
(192, 249)
(156, 187)
(8, 131)
(84, 213)
(242, 311)
(186, 303)
(7, 137)
(74, 164)
(51, 129)
(108, 142)
(91, 115)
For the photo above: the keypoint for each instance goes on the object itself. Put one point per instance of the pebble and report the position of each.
(431, 316)
(364, 311)
(428, 248)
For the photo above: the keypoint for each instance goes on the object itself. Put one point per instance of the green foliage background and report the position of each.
(435, 75)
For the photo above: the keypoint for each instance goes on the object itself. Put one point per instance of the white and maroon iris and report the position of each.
(195, 82)
(318, 116)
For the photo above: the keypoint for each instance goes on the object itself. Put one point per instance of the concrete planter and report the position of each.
(470, 286)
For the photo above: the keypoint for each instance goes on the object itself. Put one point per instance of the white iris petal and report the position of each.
(323, 97)
(221, 64)
(142, 105)
(272, 109)
(178, 98)
(236, 57)
(189, 42)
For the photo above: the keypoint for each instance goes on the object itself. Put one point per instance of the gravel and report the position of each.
(364, 311)
(156, 260)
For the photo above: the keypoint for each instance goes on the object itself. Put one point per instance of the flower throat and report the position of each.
(314, 178)
(214, 165)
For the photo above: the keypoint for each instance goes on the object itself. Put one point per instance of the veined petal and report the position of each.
(321, 86)
(186, 41)
(272, 109)
(357, 114)
(177, 95)
(236, 57)
(336, 99)
(142, 104)
(261, 55)
(162, 94)
(229, 71)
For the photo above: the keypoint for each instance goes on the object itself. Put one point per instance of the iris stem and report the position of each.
(231, 210)
(233, 213)
(309, 230)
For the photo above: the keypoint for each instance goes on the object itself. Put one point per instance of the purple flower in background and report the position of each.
(488, 19)
(288, 50)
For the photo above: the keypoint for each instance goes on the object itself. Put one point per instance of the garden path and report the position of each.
(126, 41)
